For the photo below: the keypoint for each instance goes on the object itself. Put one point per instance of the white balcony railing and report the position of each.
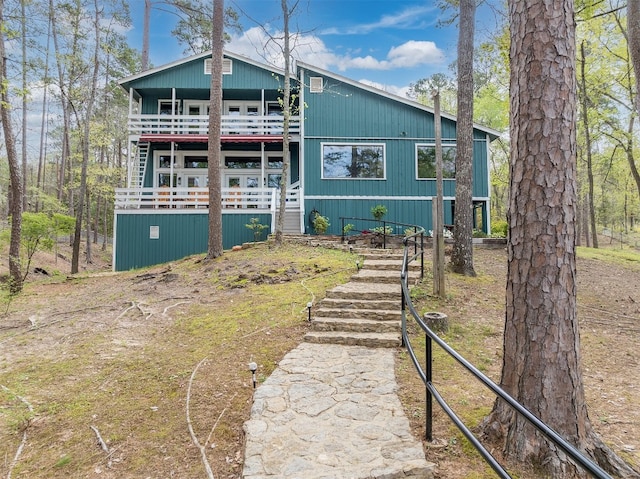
(232, 198)
(199, 124)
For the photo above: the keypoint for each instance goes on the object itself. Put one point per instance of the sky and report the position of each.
(385, 43)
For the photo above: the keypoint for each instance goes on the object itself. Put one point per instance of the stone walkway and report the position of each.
(332, 411)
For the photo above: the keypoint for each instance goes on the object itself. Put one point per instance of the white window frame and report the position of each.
(351, 145)
(176, 105)
(445, 144)
(227, 66)
(316, 84)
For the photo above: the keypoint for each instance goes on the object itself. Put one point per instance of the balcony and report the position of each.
(269, 126)
(166, 199)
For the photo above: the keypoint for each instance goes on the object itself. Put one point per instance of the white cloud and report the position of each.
(257, 44)
(413, 53)
(409, 18)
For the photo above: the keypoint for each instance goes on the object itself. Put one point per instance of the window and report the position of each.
(196, 162)
(358, 161)
(316, 85)
(227, 66)
(239, 162)
(426, 161)
(164, 161)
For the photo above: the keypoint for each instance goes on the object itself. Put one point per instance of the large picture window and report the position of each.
(426, 161)
(358, 161)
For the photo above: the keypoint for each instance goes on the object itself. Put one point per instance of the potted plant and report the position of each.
(378, 212)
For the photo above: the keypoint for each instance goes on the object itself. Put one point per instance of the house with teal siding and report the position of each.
(352, 147)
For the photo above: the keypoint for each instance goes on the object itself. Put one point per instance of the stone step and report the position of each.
(376, 276)
(351, 338)
(374, 314)
(355, 325)
(366, 291)
(388, 265)
(356, 302)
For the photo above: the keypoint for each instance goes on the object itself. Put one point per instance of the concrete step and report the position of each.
(357, 303)
(355, 325)
(375, 314)
(373, 340)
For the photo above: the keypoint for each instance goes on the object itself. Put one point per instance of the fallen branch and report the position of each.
(101, 443)
(164, 313)
(133, 305)
(217, 421)
(194, 439)
(16, 457)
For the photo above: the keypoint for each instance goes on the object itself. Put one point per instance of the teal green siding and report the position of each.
(344, 113)
(180, 235)
(411, 212)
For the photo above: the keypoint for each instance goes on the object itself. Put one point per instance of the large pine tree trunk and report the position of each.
(15, 173)
(214, 247)
(462, 254)
(541, 363)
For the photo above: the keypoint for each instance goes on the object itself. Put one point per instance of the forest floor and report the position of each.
(102, 375)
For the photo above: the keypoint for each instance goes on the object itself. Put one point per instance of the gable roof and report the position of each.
(493, 134)
(124, 82)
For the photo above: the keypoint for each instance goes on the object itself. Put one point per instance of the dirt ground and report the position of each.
(96, 369)
(609, 315)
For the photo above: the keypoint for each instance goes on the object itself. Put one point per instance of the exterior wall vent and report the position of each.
(227, 66)
(316, 85)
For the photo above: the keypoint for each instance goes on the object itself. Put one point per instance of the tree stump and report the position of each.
(437, 322)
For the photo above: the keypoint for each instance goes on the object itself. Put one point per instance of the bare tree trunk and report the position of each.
(584, 109)
(633, 32)
(43, 124)
(439, 288)
(541, 362)
(215, 245)
(145, 35)
(15, 173)
(86, 145)
(462, 254)
(88, 257)
(23, 27)
(286, 112)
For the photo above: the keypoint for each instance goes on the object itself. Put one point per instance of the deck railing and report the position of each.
(232, 198)
(409, 313)
(199, 125)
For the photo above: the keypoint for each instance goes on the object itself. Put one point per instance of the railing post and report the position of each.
(421, 255)
(428, 396)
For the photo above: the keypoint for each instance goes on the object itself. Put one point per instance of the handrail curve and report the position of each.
(432, 393)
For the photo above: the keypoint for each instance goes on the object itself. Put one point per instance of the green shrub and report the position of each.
(378, 212)
(499, 229)
(321, 224)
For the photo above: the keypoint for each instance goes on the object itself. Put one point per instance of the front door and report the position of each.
(243, 181)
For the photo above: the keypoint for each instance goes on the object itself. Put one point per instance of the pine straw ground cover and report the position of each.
(111, 359)
(96, 369)
(609, 315)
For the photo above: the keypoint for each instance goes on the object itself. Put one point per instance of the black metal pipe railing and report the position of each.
(432, 392)
(418, 232)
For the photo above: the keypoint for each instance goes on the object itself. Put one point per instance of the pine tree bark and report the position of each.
(462, 254)
(541, 362)
(15, 173)
(214, 248)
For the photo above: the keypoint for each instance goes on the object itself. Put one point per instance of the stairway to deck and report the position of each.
(366, 311)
